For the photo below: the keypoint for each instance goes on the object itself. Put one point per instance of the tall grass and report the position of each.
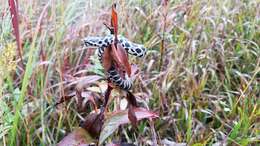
(205, 88)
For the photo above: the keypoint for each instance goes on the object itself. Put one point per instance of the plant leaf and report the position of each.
(114, 21)
(131, 115)
(107, 59)
(13, 4)
(114, 120)
(121, 59)
(78, 137)
(124, 59)
(93, 123)
(131, 99)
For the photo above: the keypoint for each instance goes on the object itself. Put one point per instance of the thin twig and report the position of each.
(162, 47)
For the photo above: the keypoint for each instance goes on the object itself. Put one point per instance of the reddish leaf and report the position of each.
(93, 123)
(131, 115)
(121, 59)
(76, 138)
(83, 82)
(13, 4)
(107, 59)
(118, 118)
(131, 99)
(124, 59)
(83, 98)
(114, 21)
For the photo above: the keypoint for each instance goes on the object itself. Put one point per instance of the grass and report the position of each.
(205, 88)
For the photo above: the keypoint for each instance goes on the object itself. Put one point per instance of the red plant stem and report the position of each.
(13, 4)
(107, 94)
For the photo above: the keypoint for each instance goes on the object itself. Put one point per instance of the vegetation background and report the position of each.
(201, 73)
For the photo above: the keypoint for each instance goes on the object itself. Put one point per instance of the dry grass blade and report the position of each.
(164, 19)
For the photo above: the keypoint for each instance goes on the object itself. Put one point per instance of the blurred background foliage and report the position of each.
(201, 72)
